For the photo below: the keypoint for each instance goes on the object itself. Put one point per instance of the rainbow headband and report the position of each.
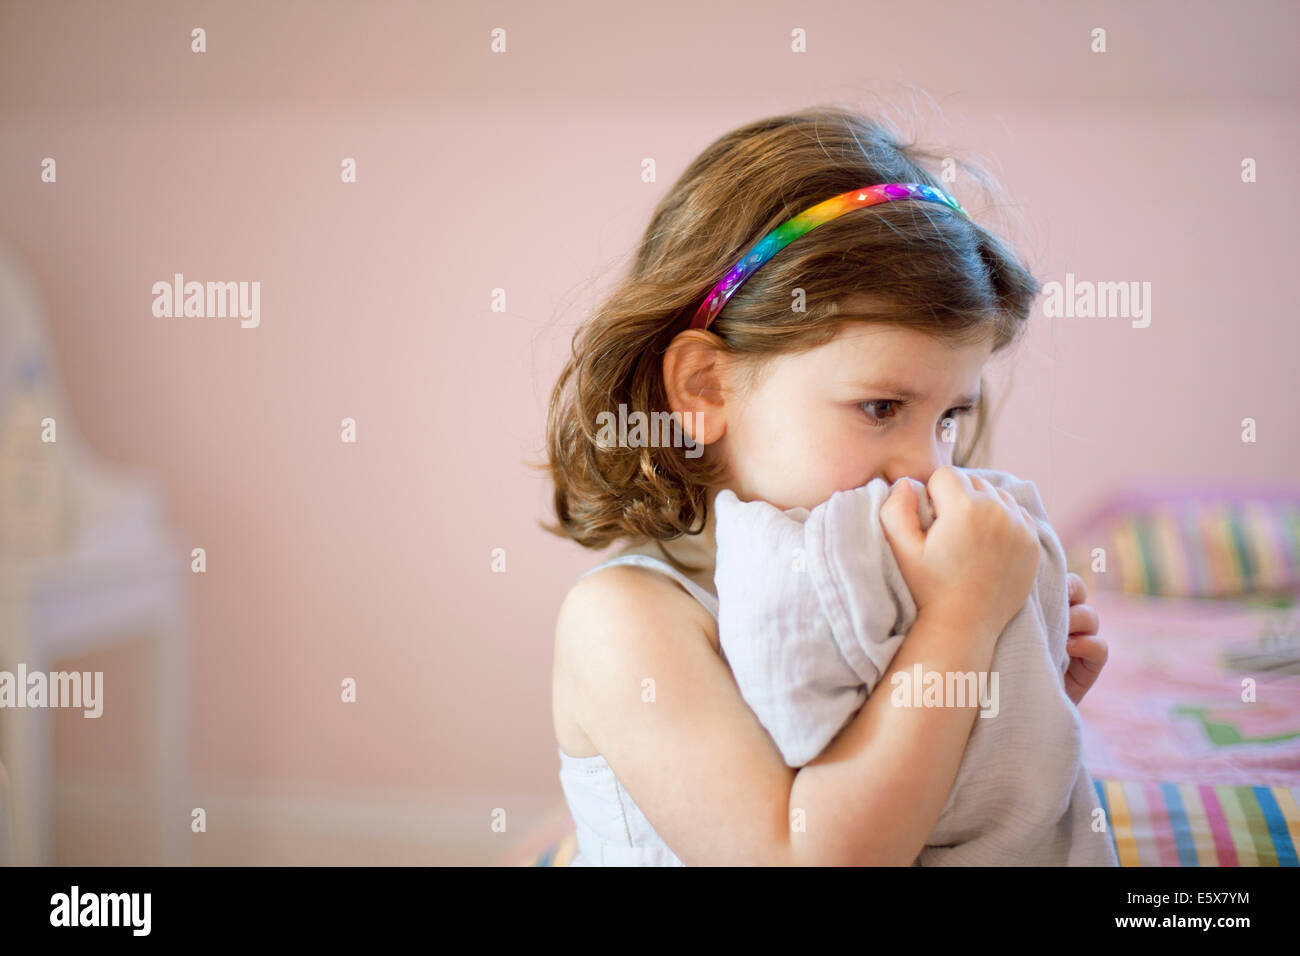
(810, 219)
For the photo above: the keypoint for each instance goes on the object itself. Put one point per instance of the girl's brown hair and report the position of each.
(926, 266)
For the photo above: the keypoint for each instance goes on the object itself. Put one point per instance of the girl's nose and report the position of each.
(919, 463)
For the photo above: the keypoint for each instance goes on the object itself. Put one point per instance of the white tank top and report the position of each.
(611, 829)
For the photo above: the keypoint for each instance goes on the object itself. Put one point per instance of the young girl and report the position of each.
(852, 354)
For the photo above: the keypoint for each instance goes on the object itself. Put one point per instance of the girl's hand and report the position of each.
(978, 559)
(1088, 653)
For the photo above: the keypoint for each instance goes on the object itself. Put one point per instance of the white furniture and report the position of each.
(56, 609)
(85, 562)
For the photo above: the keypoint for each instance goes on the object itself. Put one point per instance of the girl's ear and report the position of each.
(695, 371)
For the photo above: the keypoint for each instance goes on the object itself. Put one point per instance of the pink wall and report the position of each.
(522, 171)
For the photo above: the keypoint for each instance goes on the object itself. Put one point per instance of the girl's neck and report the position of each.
(693, 554)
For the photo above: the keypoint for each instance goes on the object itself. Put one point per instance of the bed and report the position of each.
(1189, 772)
(1192, 734)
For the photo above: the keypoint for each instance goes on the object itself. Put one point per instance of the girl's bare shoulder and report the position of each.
(633, 593)
(615, 611)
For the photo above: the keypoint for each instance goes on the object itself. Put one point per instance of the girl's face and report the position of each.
(877, 401)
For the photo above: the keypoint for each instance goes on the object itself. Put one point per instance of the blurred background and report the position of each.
(325, 560)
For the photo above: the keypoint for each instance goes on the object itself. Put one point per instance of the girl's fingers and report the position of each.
(948, 481)
(946, 485)
(1083, 620)
(1078, 678)
(1088, 652)
(1015, 506)
(900, 521)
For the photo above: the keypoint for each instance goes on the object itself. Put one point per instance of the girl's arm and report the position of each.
(646, 686)
(968, 574)
(662, 707)
(874, 795)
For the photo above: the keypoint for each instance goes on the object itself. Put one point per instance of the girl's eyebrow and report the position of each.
(906, 394)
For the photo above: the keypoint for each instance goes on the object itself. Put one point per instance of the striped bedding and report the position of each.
(1212, 543)
(1187, 824)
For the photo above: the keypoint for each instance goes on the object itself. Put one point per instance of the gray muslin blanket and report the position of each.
(813, 607)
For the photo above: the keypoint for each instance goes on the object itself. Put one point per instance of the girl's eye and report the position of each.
(959, 410)
(894, 403)
(866, 407)
(950, 418)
